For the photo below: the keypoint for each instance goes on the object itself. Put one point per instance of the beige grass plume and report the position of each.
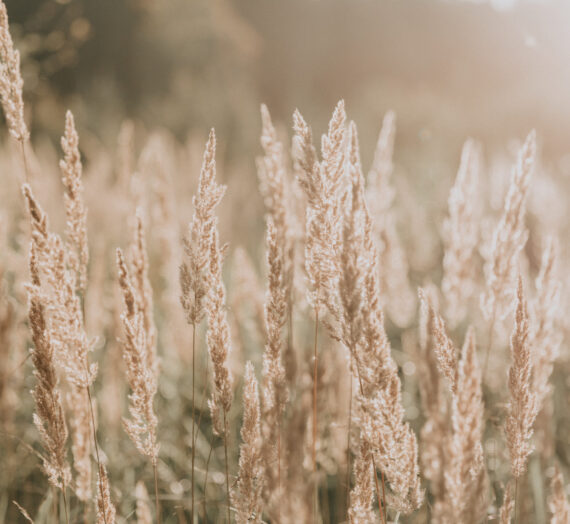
(461, 237)
(276, 193)
(509, 238)
(465, 477)
(75, 210)
(506, 511)
(11, 83)
(72, 344)
(106, 512)
(247, 497)
(218, 338)
(433, 391)
(143, 290)
(275, 391)
(322, 183)
(49, 417)
(362, 494)
(445, 352)
(194, 270)
(144, 515)
(380, 411)
(557, 501)
(544, 335)
(523, 405)
(141, 427)
(219, 346)
(397, 296)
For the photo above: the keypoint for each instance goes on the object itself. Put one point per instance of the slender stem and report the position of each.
(193, 417)
(55, 504)
(315, 376)
(206, 481)
(279, 469)
(23, 149)
(63, 490)
(516, 497)
(227, 469)
(88, 389)
(154, 467)
(204, 391)
(378, 492)
(384, 497)
(348, 448)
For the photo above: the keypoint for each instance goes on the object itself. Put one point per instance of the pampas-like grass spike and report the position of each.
(247, 497)
(523, 405)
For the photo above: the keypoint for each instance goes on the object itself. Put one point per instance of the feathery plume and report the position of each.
(219, 345)
(464, 469)
(11, 83)
(544, 336)
(141, 428)
(276, 193)
(144, 515)
(509, 237)
(75, 210)
(143, 290)
(445, 352)
(49, 417)
(433, 397)
(247, 497)
(508, 506)
(523, 405)
(194, 271)
(275, 393)
(80, 422)
(461, 237)
(322, 183)
(362, 495)
(105, 509)
(218, 336)
(557, 502)
(397, 296)
(380, 411)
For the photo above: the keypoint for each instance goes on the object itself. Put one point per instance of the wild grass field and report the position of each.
(330, 340)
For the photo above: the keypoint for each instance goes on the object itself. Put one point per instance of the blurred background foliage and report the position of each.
(449, 69)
